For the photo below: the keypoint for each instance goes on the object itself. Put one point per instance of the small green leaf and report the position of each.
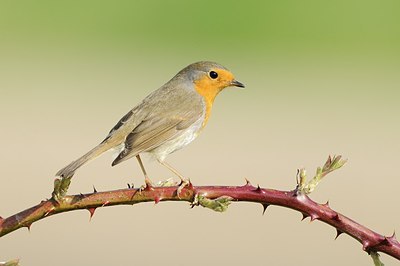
(10, 263)
(219, 204)
(330, 165)
(375, 258)
(167, 183)
(302, 176)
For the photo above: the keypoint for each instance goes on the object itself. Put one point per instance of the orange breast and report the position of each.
(208, 92)
(209, 88)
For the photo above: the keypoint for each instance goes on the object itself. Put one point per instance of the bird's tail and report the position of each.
(69, 170)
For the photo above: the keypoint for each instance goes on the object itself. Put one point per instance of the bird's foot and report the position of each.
(184, 183)
(61, 185)
(147, 186)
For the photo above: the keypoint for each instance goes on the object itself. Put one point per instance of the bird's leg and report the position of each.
(184, 182)
(147, 180)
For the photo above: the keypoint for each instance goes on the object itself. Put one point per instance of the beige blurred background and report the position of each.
(322, 78)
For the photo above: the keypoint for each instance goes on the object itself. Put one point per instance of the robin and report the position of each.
(167, 120)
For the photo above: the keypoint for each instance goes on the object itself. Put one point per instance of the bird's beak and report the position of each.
(236, 84)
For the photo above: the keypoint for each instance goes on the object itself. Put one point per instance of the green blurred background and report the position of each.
(322, 78)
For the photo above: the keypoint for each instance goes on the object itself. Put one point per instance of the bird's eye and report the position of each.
(213, 74)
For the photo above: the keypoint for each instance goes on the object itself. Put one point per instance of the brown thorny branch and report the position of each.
(218, 198)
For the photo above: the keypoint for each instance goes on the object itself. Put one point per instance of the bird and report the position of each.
(165, 121)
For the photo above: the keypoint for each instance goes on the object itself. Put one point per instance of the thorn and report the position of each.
(335, 216)
(313, 217)
(29, 227)
(248, 184)
(259, 190)
(326, 204)
(385, 241)
(91, 211)
(304, 216)
(105, 203)
(157, 199)
(129, 186)
(49, 211)
(194, 204)
(393, 237)
(82, 196)
(94, 189)
(148, 187)
(265, 206)
(338, 233)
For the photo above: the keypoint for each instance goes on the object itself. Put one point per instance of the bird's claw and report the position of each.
(184, 183)
(61, 185)
(147, 186)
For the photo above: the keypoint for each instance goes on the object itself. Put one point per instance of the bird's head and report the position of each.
(210, 78)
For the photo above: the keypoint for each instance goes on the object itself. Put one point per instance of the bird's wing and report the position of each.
(157, 129)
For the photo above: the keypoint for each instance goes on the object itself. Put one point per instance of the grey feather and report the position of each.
(160, 127)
